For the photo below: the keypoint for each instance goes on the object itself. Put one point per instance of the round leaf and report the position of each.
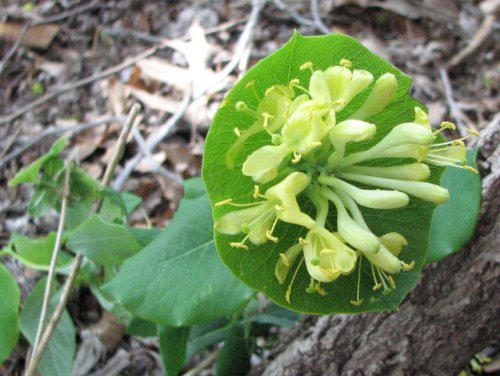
(256, 265)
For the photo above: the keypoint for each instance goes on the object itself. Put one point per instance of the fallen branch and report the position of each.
(56, 315)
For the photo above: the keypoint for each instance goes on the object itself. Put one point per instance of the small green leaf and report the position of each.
(57, 359)
(173, 342)
(9, 316)
(204, 335)
(234, 357)
(276, 315)
(29, 174)
(178, 279)
(141, 328)
(37, 252)
(453, 223)
(103, 242)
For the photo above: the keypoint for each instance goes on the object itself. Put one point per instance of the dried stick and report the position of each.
(69, 13)
(455, 111)
(476, 41)
(165, 130)
(15, 46)
(55, 253)
(318, 22)
(79, 83)
(56, 315)
(58, 131)
(152, 141)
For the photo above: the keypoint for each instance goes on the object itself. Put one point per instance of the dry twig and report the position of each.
(79, 83)
(53, 260)
(47, 334)
(318, 22)
(58, 131)
(15, 46)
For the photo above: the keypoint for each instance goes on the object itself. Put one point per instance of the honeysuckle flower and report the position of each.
(259, 220)
(303, 132)
(354, 234)
(271, 114)
(338, 85)
(423, 190)
(326, 257)
(379, 98)
(327, 159)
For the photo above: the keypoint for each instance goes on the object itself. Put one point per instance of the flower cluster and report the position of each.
(307, 155)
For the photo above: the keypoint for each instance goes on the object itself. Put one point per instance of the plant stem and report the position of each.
(49, 330)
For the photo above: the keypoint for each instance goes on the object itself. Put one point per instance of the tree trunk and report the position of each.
(452, 314)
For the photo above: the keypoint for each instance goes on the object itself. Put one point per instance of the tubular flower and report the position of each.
(336, 165)
(259, 219)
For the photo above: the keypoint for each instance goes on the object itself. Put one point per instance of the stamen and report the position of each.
(237, 132)
(224, 202)
(319, 289)
(243, 107)
(224, 103)
(296, 157)
(307, 65)
(377, 285)
(303, 241)
(406, 267)
(240, 245)
(358, 301)
(285, 260)
(473, 132)
(269, 90)
(269, 235)
(251, 85)
(296, 83)
(346, 63)
(391, 281)
(471, 169)
(288, 292)
(448, 125)
(310, 289)
(256, 192)
(315, 144)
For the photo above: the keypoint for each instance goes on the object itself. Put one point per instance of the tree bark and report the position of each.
(451, 315)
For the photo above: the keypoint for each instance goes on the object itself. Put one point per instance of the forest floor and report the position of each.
(76, 67)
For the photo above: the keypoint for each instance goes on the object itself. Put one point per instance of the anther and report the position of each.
(448, 125)
(256, 191)
(269, 90)
(240, 245)
(357, 302)
(315, 144)
(224, 202)
(303, 241)
(296, 157)
(250, 84)
(346, 63)
(307, 65)
(406, 267)
(391, 281)
(319, 289)
(471, 169)
(285, 260)
(473, 132)
(237, 132)
(377, 286)
(270, 236)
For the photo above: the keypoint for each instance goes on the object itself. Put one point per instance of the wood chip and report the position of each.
(37, 36)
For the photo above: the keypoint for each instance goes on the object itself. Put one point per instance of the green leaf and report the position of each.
(141, 328)
(173, 342)
(204, 335)
(37, 252)
(276, 315)
(57, 359)
(103, 242)
(234, 357)
(9, 317)
(178, 279)
(194, 188)
(29, 174)
(256, 266)
(453, 223)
